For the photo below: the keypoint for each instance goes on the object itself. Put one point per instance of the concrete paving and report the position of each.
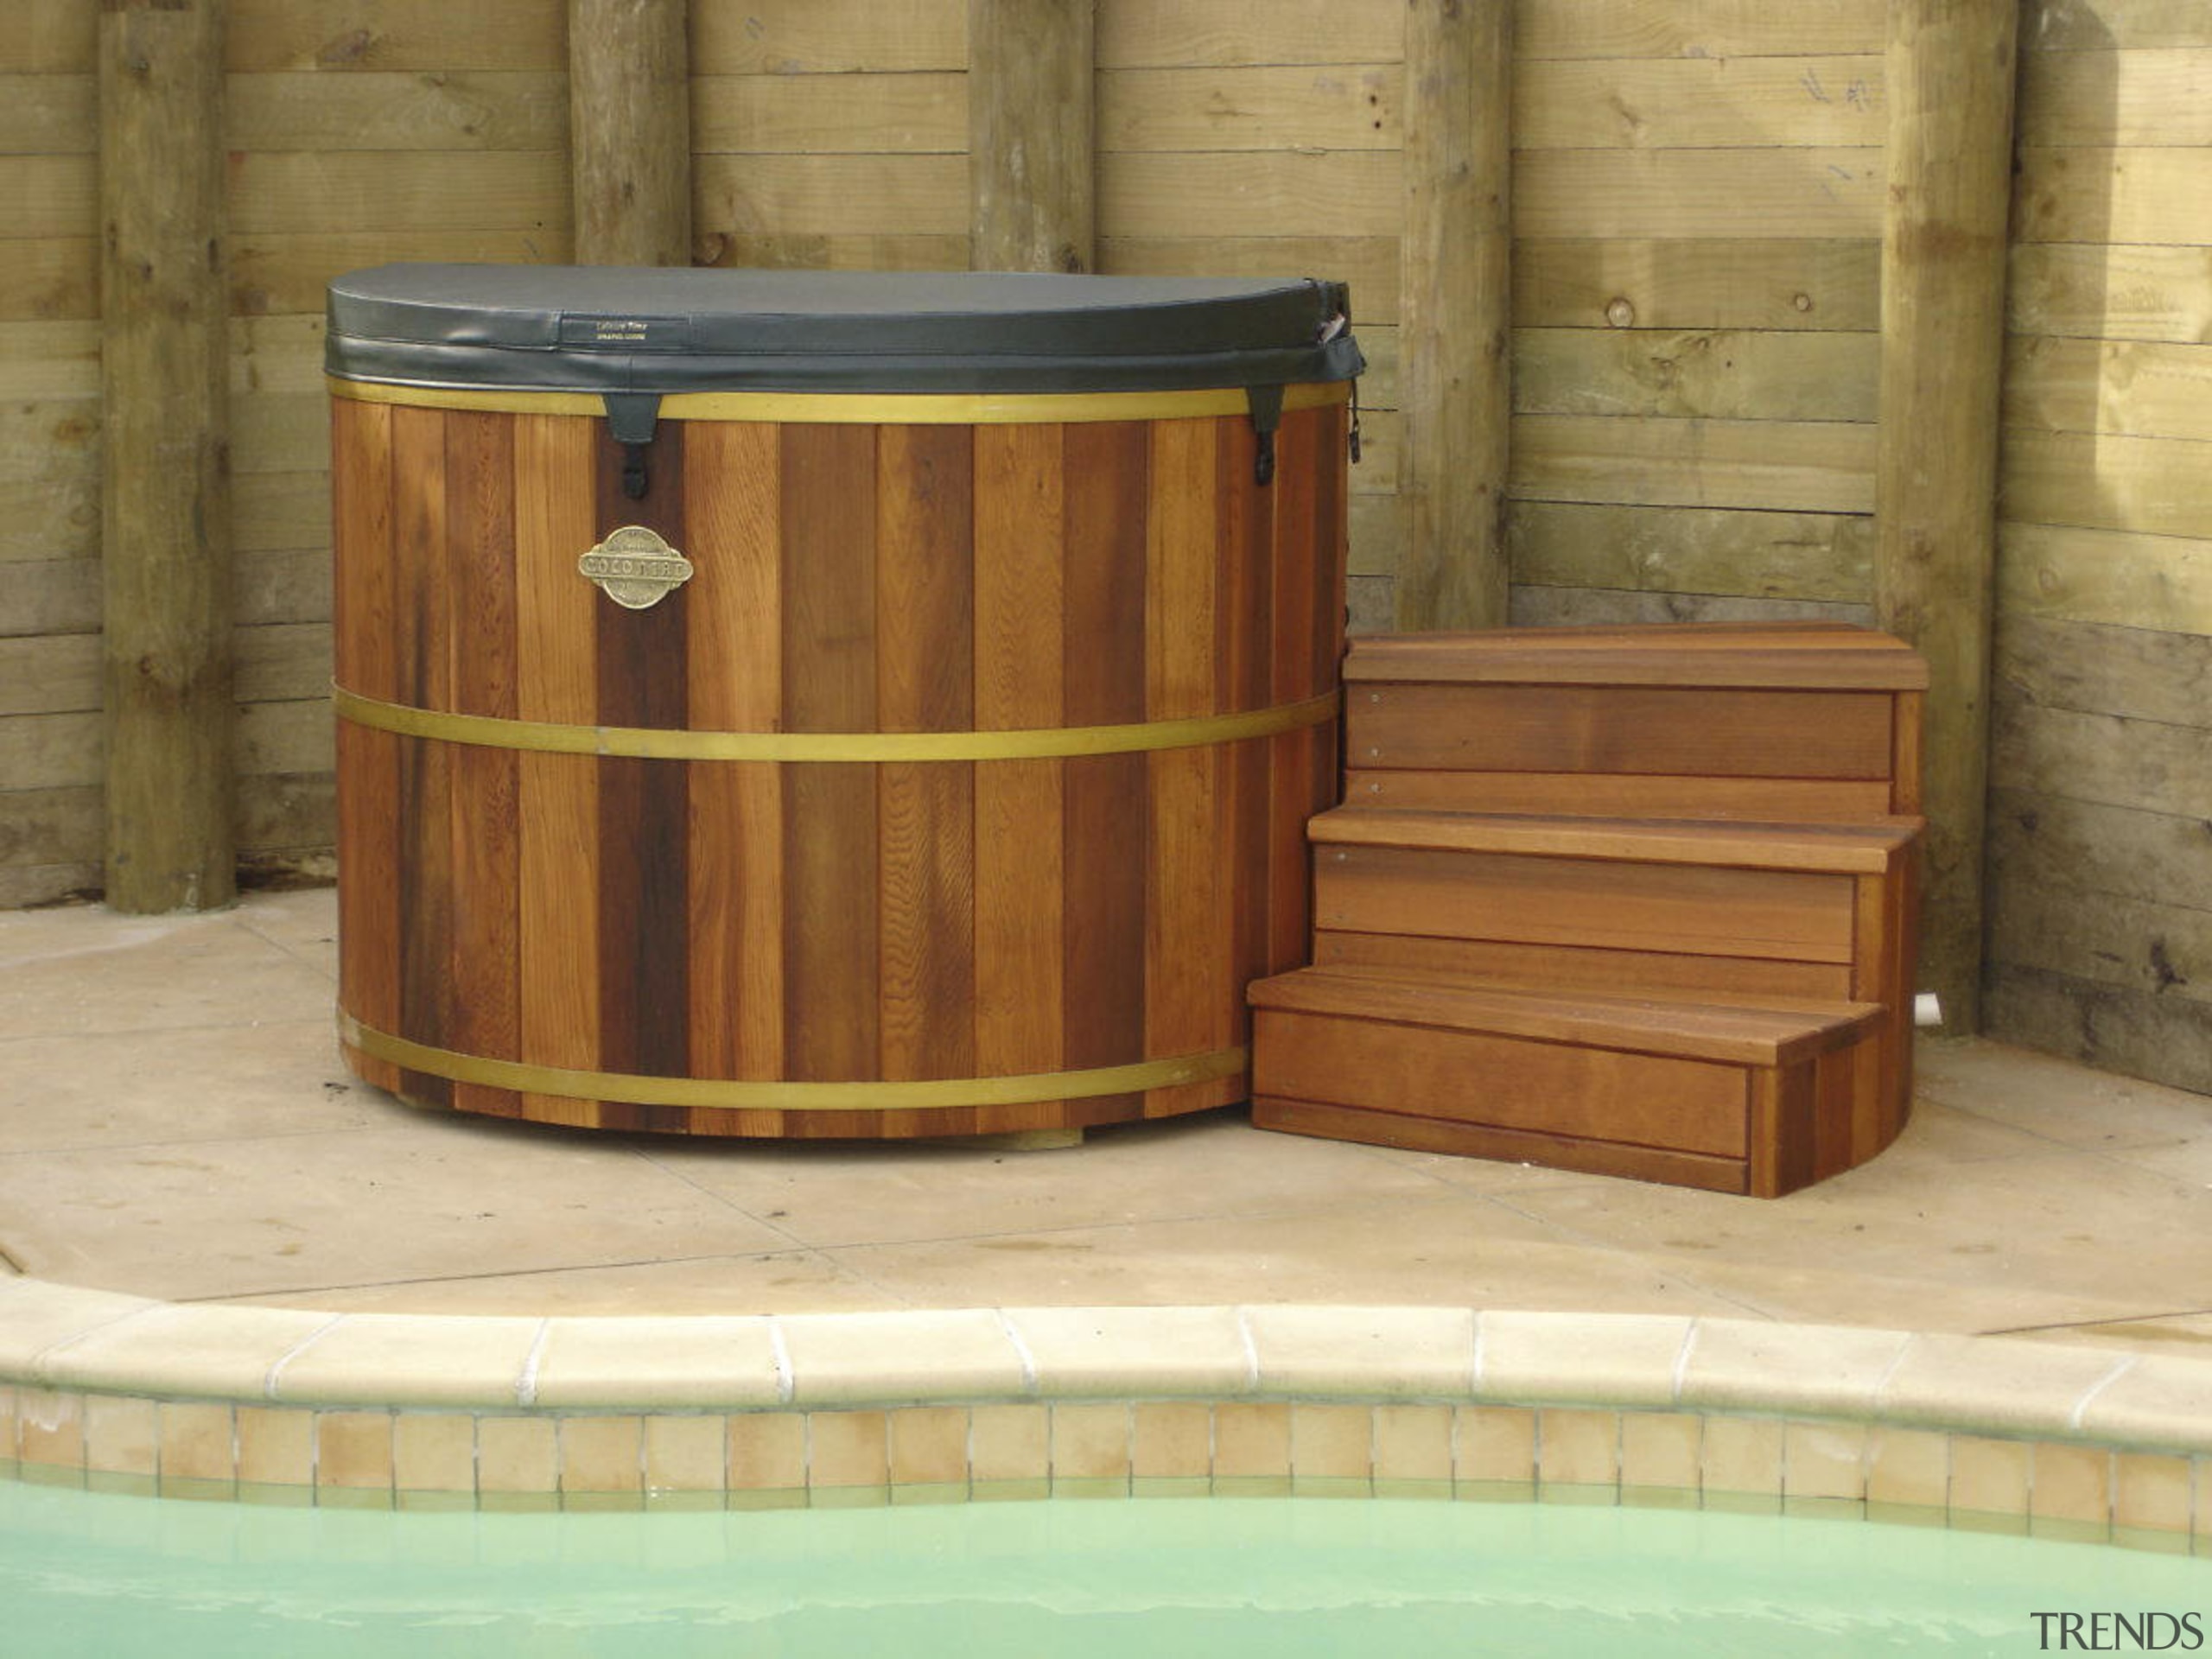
(175, 1122)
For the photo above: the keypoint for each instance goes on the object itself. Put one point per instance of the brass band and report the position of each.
(631, 1089)
(867, 408)
(657, 743)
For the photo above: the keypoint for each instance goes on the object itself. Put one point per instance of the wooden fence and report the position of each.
(1696, 208)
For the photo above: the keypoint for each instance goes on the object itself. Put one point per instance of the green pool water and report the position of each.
(96, 1574)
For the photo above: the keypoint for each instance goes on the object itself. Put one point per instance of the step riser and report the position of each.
(1746, 1128)
(1786, 755)
(1495, 961)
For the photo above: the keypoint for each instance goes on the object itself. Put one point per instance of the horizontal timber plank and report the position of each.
(277, 354)
(914, 113)
(1697, 28)
(1378, 534)
(2145, 673)
(1416, 1134)
(2113, 1028)
(2121, 577)
(47, 115)
(273, 193)
(1795, 465)
(50, 674)
(2154, 95)
(2111, 293)
(1289, 193)
(1729, 374)
(1698, 1030)
(1824, 193)
(1368, 264)
(51, 196)
(280, 432)
(2142, 389)
(49, 37)
(1560, 607)
(2144, 763)
(280, 512)
(50, 277)
(1783, 656)
(49, 596)
(856, 251)
(40, 752)
(2090, 847)
(45, 827)
(55, 517)
(1697, 102)
(1320, 106)
(831, 195)
(395, 35)
(2099, 481)
(1693, 549)
(288, 273)
(1583, 281)
(2108, 25)
(2137, 944)
(1159, 33)
(25, 884)
(1369, 604)
(1619, 796)
(1868, 849)
(1622, 973)
(2104, 193)
(445, 109)
(792, 37)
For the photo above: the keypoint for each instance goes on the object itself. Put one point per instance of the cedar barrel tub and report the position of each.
(959, 785)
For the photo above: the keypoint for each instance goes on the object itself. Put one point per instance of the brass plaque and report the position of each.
(635, 567)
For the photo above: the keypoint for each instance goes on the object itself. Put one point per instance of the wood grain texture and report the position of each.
(1031, 169)
(422, 615)
(630, 132)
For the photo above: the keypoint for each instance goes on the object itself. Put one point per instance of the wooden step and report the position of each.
(1815, 722)
(1735, 1098)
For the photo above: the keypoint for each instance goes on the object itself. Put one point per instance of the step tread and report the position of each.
(1806, 656)
(1764, 1031)
(1852, 848)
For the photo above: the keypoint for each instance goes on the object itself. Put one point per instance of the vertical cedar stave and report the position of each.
(422, 617)
(855, 578)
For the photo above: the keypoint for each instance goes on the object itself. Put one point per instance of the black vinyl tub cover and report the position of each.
(614, 329)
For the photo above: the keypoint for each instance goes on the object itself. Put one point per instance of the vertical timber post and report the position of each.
(1455, 342)
(630, 132)
(1950, 90)
(1031, 135)
(165, 516)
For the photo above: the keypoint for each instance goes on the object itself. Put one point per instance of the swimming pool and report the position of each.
(86, 1573)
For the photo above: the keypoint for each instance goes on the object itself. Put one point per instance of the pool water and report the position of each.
(91, 1574)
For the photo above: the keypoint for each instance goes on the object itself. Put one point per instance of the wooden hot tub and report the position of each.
(959, 786)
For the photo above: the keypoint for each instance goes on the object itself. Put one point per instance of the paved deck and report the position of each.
(175, 1122)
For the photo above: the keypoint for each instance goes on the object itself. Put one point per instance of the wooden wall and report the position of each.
(1696, 199)
(2099, 927)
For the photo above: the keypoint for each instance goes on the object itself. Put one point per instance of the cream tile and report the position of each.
(354, 1449)
(793, 1282)
(1989, 1477)
(186, 1349)
(1992, 1383)
(1332, 1442)
(434, 1452)
(858, 1358)
(1908, 1466)
(2150, 1492)
(121, 1435)
(2070, 1482)
(1413, 1442)
(1010, 1443)
(50, 1427)
(36, 1315)
(1365, 1351)
(1251, 1439)
(1758, 1366)
(275, 1446)
(2054, 1099)
(1090, 1442)
(1494, 1443)
(1577, 1449)
(686, 1453)
(404, 1360)
(602, 1454)
(518, 1454)
(1824, 1460)
(1661, 1449)
(1173, 1441)
(1742, 1456)
(848, 1449)
(88, 971)
(767, 1451)
(929, 1445)
(2159, 1399)
(643, 1362)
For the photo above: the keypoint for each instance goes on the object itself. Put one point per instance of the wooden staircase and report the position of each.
(1632, 900)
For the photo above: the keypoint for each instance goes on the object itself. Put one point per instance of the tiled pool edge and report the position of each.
(282, 1405)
